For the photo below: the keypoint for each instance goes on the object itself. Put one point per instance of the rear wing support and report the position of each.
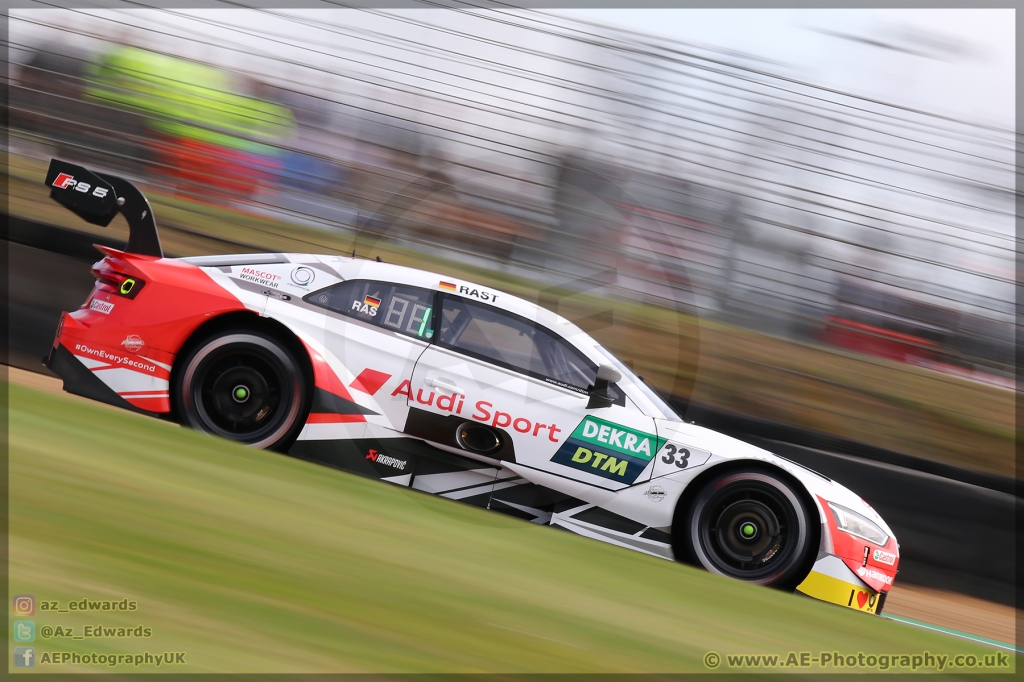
(98, 197)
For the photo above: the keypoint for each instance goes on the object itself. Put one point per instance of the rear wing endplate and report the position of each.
(98, 197)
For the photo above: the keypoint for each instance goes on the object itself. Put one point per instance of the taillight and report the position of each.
(117, 283)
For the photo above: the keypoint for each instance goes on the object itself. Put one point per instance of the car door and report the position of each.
(490, 370)
(375, 331)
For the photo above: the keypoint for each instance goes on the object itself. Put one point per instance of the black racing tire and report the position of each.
(753, 526)
(243, 385)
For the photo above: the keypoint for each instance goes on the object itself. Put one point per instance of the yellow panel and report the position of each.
(836, 591)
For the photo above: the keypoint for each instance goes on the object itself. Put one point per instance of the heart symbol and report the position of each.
(862, 599)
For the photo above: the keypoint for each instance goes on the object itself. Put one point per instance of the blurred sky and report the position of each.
(958, 62)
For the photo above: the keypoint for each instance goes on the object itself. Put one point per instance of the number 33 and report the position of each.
(670, 456)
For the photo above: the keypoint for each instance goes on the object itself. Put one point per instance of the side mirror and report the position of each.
(608, 374)
(599, 396)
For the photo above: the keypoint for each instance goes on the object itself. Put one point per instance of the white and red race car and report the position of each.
(451, 388)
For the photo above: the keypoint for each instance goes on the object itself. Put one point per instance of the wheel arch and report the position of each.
(246, 320)
(680, 533)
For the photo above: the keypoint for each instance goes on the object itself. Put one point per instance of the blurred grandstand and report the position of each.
(708, 184)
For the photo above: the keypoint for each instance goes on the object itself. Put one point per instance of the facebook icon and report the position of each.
(24, 656)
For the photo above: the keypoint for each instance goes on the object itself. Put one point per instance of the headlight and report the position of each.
(855, 524)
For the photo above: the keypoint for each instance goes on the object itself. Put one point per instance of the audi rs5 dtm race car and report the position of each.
(447, 387)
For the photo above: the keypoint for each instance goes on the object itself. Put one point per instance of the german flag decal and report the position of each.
(447, 286)
(371, 301)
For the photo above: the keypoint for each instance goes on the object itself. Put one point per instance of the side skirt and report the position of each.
(600, 524)
(415, 464)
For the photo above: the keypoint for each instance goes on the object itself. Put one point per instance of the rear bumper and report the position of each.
(111, 375)
(79, 380)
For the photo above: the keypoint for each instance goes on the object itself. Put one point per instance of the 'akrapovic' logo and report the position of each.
(386, 460)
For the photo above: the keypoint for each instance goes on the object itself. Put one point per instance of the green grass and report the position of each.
(252, 561)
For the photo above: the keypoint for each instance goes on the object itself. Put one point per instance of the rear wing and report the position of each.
(98, 197)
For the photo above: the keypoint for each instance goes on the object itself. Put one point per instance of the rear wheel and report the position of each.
(751, 525)
(245, 386)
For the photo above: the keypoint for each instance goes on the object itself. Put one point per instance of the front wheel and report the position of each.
(751, 525)
(245, 386)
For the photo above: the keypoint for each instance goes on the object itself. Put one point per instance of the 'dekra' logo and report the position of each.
(65, 181)
(608, 450)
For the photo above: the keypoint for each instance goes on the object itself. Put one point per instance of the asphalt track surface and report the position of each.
(954, 537)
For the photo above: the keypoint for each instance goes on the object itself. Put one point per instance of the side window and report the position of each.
(513, 342)
(396, 307)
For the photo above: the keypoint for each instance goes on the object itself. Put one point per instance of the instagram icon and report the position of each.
(24, 605)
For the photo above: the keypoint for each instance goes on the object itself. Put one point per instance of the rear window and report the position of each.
(404, 309)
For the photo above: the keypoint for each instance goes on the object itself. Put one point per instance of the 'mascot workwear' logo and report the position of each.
(607, 449)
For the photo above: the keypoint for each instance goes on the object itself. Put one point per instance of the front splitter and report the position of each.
(831, 580)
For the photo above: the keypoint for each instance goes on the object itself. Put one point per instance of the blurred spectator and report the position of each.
(49, 102)
(206, 138)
